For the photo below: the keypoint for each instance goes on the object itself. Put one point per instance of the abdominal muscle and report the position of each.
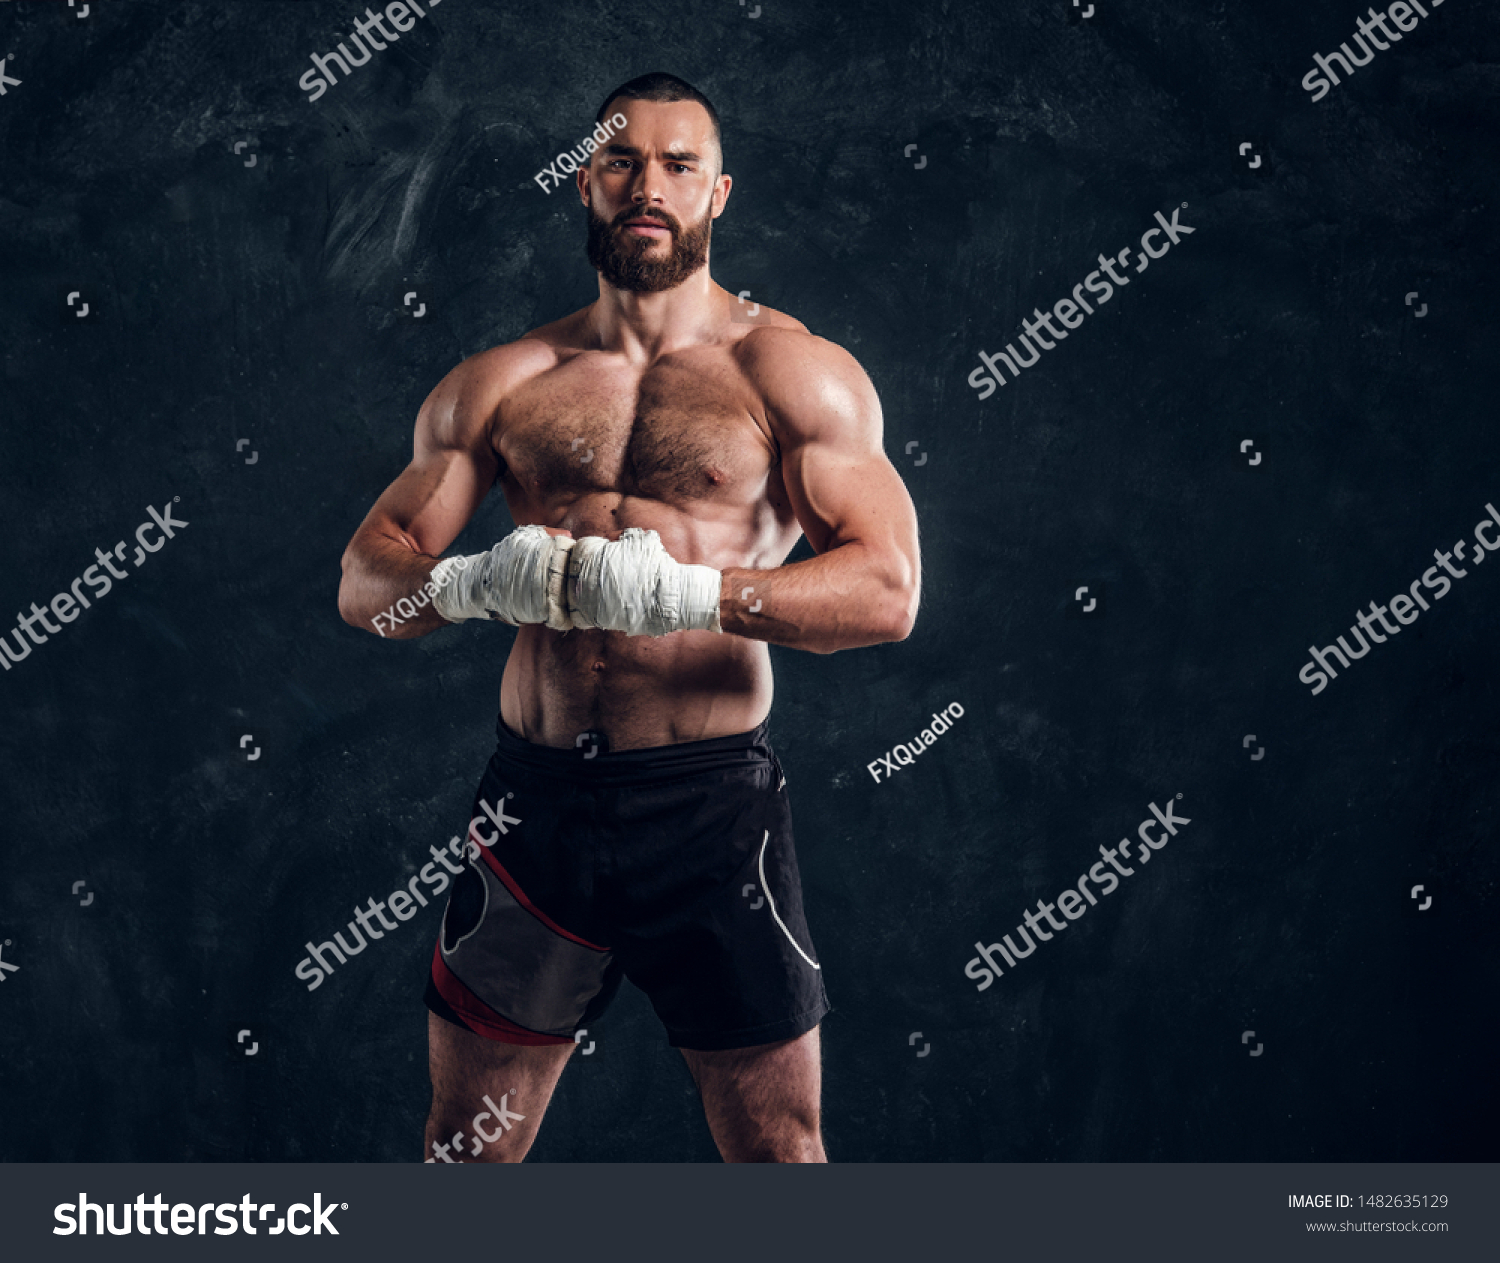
(646, 690)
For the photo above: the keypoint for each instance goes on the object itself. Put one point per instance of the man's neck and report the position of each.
(645, 326)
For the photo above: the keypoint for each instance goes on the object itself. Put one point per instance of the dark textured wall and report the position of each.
(263, 303)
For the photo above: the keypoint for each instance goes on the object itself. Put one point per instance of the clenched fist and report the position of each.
(633, 585)
(522, 579)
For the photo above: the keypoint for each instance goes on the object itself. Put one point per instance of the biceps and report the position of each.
(842, 498)
(433, 499)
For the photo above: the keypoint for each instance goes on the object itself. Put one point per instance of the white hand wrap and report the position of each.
(522, 579)
(632, 585)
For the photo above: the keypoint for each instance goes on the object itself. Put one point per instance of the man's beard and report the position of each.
(620, 258)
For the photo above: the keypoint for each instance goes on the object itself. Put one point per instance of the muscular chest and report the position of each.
(672, 432)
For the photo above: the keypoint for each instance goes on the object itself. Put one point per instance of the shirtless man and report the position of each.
(661, 458)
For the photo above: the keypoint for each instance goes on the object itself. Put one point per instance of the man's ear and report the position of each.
(721, 194)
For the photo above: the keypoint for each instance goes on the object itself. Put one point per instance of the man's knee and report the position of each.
(454, 1136)
(786, 1139)
(488, 1097)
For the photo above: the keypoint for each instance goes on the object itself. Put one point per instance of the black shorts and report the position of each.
(672, 866)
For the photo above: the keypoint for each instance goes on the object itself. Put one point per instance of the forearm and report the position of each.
(386, 589)
(846, 598)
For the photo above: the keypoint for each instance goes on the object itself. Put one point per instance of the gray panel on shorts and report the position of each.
(522, 969)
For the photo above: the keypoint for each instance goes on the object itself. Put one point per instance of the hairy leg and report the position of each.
(762, 1103)
(465, 1068)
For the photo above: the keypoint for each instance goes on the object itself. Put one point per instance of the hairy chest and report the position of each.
(674, 432)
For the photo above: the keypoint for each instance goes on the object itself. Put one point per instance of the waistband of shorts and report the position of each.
(643, 766)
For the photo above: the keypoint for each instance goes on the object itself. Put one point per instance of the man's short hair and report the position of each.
(660, 86)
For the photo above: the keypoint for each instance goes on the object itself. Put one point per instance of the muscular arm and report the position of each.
(452, 468)
(864, 585)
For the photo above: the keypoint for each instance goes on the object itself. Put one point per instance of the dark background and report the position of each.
(263, 303)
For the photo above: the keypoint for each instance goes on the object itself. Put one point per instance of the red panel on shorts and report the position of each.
(520, 897)
(480, 1018)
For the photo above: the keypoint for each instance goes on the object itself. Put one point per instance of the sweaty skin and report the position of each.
(660, 410)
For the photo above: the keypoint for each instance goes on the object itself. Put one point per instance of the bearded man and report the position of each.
(661, 453)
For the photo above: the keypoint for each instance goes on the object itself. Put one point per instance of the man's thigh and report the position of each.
(488, 1097)
(763, 1103)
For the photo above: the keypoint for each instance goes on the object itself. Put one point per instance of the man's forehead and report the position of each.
(664, 125)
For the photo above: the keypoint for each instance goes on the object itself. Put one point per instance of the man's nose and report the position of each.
(648, 185)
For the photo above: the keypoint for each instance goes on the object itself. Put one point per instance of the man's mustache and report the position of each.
(654, 216)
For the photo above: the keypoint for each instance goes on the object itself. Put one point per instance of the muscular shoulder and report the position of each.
(812, 387)
(462, 408)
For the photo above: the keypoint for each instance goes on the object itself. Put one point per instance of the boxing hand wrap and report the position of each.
(522, 579)
(632, 585)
